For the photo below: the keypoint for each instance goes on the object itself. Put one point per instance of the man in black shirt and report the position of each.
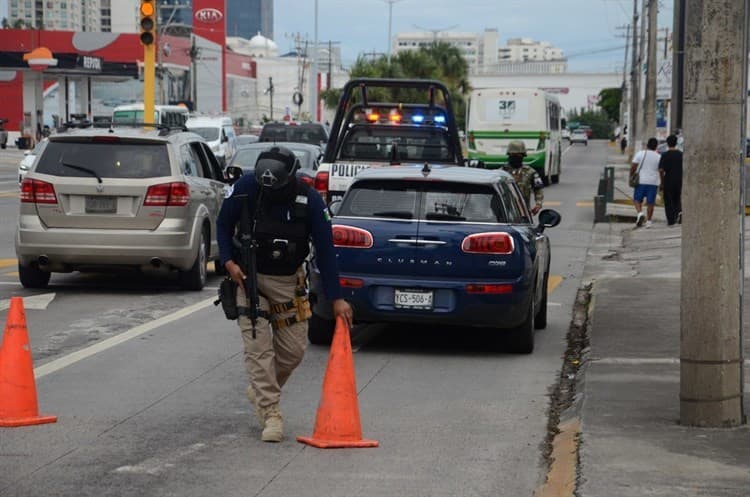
(670, 170)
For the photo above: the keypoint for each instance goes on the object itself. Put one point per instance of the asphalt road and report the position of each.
(148, 384)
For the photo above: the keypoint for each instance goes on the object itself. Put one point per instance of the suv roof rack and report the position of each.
(164, 129)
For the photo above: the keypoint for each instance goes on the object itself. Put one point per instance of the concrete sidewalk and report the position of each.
(631, 442)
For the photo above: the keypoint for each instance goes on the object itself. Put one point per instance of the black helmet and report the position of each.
(276, 167)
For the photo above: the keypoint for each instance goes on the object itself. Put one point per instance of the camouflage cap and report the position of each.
(516, 147)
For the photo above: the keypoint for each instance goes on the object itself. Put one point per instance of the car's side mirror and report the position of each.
(474, 163)
(548, 218)
(233, 173)
(334, 206)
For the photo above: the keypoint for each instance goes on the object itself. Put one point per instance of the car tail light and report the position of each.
(167, 195)
(307, 180)
(106, 139)
(472, 142)
(321, 183)
(37, 192)
(491, 289)
(488, 243)
(351, 237)
(351, 283)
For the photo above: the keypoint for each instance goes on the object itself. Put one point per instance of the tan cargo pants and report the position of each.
(271, 356)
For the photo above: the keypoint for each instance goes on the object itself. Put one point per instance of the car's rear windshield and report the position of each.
(107, 160)
(300, 133)
(387, 143)
(208, 134)
(429, 200)
(247, 157)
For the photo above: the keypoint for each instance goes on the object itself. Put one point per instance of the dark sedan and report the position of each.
(308, 155)
(440, 245)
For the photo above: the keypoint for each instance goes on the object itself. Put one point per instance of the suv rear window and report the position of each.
(430, 200)
(108, 160)
(313, 134)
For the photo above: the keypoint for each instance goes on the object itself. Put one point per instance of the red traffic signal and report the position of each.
(148, 21)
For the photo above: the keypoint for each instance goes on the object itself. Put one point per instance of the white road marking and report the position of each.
(10, 283)
(36, 302)
(566, 150)
(139, 330)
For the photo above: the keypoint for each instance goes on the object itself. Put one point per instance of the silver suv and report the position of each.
(107, 199)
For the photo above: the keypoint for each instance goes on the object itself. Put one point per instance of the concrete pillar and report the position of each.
(713, 214)
(33, 103)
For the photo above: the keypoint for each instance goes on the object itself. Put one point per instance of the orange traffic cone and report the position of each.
(337, 421)
(18, 405)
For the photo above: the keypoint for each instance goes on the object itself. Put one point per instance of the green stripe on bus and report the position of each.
(509, 134)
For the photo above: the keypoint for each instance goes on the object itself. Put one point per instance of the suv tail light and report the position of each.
(472, 143)
(321, 184)
(488, 243)
(351, 237)
(167, 195)
(37, 192)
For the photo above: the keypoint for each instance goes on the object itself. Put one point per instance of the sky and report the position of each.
(586, 30)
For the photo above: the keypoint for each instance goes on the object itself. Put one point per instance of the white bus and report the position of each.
(496, 116)
(170, 115)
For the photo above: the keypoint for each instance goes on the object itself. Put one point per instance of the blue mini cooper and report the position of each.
(449, 245)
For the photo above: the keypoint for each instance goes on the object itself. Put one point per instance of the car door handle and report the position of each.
(416, 241)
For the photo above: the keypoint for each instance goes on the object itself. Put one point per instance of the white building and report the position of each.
(484, 55)
(120, 16)
(70, 15)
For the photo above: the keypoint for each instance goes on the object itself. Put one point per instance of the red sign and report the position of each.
(209, 15)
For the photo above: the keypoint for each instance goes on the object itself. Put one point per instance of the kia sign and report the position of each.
(209, 15)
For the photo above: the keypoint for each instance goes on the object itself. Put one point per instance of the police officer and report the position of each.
(290, 214)
(526, 176)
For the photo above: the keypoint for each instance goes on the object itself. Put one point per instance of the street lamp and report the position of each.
(390, 21)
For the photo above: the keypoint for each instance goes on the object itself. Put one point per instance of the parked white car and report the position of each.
(579, 136)
(29, 157)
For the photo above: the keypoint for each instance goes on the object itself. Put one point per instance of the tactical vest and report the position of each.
(283, 245)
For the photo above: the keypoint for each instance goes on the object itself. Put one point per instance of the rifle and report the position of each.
(249, 246)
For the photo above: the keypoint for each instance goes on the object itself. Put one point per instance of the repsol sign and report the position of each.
(89, 63)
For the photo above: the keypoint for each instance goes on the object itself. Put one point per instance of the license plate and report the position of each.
(101, 205)
(412, 299)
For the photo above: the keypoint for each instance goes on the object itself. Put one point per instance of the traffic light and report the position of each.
(148, 21)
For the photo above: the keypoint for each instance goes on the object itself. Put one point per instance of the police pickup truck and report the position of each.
(387, 122)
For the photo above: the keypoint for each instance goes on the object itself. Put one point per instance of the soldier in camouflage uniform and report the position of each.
(526, 176)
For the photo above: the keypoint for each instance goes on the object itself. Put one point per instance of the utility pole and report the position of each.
(624, 86)
(649, 99)
(269, 90)
(711, 357)
(313, 81)
(390, 24)
(194, 55)
(678, 64)
(635, 92)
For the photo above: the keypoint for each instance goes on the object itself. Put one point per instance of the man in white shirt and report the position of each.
(646, 162)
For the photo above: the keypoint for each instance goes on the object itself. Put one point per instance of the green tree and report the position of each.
(609, 101)
(439, 61)
(601, 126)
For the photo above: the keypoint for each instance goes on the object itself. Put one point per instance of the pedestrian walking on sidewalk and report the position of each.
(265, 228)
(670, 170)
(646, 163)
